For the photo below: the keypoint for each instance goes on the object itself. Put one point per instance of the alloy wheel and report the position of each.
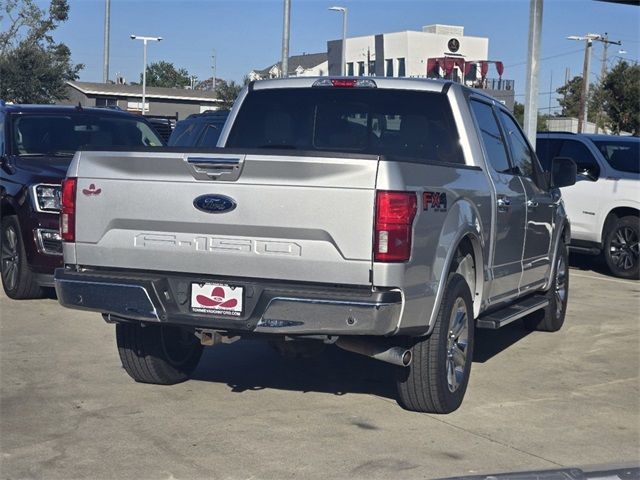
(457, 343)
(10, 258)
(561, 285)
(624, 249)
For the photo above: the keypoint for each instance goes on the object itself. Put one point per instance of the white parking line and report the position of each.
(615, 280)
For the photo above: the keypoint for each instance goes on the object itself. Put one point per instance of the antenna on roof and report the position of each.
(79, 106)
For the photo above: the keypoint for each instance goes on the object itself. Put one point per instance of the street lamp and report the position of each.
(343, 66)
(144, 69)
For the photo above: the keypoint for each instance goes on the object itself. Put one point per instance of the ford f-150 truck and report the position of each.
(390, 217)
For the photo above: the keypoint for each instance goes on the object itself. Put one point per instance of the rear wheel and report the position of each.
(551, 318)
(158, 354)
(18, 280)
(437, 378)
(621, 250)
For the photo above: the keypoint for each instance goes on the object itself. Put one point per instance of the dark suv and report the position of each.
(37, 143)
(199, 129)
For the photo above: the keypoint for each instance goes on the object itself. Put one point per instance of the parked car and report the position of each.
(162, 124)
(199, 129)
(604, 204)
(390, 217)
(37, 143)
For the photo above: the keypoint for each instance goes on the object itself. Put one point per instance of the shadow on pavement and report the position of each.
(588, 262)
(490, 343)
(254, 365)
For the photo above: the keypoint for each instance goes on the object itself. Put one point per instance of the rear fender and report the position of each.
(462, 222)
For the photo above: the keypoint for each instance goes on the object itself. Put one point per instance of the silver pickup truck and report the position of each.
(390, 217)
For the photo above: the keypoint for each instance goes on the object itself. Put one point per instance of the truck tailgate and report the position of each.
(299, 218)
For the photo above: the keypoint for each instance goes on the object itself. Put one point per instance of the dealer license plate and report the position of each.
(217, 299)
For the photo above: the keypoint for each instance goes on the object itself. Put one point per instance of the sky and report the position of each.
(247, 34)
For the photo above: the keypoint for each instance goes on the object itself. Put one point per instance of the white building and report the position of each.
(405, 54)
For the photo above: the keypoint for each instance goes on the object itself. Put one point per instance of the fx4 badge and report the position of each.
(435, 201)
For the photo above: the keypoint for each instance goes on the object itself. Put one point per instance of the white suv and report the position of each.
(604, 204)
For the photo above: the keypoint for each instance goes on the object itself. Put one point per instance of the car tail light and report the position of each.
(68, 214)
(395, 212)
(345, 83)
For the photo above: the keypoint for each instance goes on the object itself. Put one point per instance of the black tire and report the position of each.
(620, 249)
(158, 354)
(18, 281)
(551, 318)
(425, 385)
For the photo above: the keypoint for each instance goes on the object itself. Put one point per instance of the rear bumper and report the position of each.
(270, 308)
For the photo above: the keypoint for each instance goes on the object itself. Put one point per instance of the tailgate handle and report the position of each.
(208, 163)
(211, 168)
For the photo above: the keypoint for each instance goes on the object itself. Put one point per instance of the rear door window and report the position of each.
(494, 144)
(410, 124)
(521, 154)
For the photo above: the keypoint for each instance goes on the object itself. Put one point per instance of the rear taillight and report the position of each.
(68, 212)
(395, 212)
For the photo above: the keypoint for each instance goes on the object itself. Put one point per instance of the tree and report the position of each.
(33, 67)
(518, 113)
(227, 92)
(165, 74)
(621, 94)
(571, 93)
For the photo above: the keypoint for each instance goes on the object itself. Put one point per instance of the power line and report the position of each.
(545, 58)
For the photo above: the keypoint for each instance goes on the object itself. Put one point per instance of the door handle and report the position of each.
(532, 204)
(504, 203)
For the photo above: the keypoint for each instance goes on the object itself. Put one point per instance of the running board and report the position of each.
(512, 313)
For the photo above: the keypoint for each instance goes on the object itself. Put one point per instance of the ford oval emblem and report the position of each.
(214, 203)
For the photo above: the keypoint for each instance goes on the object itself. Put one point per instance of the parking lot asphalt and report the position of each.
(535, 401)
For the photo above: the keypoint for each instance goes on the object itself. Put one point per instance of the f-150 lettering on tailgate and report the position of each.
(218, 244)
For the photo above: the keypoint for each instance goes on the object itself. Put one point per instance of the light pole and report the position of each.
(144, 67)
(533, 56)
(286, 30)
(343, 65)
(584, 104)
(107, 22)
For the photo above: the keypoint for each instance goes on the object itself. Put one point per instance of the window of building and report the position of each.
(494, 145)
(350, 69)
(401, 68)
(106, 102)
(372, 67)
(361, 69)
(389, 72)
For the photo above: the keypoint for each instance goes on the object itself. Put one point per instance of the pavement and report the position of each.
(535, 401)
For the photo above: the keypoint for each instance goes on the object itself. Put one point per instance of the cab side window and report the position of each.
(494, 145)
(521, 154)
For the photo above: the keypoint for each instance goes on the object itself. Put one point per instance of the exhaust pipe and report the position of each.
(395, 355)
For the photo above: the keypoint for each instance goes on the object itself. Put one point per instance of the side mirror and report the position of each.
(563, 172)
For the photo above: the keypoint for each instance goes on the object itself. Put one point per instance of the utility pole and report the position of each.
(584, 102)
(285, 38)
(603, 69)
(107, 22)
(533, 55)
